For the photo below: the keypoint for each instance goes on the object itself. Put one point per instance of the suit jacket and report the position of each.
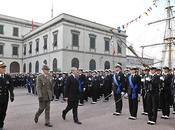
(44, 87)
(6, 87)
(72, 91)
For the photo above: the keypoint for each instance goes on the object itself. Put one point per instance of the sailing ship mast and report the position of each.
(169, 37)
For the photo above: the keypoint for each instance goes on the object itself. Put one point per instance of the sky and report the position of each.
(112, 13)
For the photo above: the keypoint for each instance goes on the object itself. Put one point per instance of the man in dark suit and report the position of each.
(6, 87)
(72, 95)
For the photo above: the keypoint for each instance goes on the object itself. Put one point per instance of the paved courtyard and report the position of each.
(21, 112)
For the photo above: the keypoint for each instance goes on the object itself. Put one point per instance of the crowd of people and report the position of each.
(156, 87)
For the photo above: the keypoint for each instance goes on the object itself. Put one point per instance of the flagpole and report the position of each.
(52, 10)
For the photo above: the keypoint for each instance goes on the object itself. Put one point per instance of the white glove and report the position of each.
(112, 93)
(122, 93)
(84, 89)
(161, 78)
(126, 95)
(148, 79)
(143, 80)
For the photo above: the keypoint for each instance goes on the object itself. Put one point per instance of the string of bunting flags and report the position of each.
(146, 13)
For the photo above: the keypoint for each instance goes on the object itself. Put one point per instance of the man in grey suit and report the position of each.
(44, 86)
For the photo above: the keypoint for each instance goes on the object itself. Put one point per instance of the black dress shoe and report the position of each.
(63, 116)
(78, 122)
(36, 120)
(48, 125)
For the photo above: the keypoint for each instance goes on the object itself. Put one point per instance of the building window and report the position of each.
(75, 62)
(92, 65)
(37, 45)
(15, 32)
(107, 44)
(119, 48)
(92, 41)
(55, 38)
(36, 67)
(15, 50)
(45, 42)
(30, 48)
(45, 62)
(14, 67)
(75, 38)
(107, 65)
(24, 50)
(55, 65)
(1, 29)
(24, 68)
(1, 49)
(30, 67)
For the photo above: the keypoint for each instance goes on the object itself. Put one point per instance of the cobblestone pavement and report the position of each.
(98, 116)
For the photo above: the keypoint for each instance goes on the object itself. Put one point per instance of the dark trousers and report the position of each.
(57, 92)
(144, 102)
(94, 94)
(74, 106)
(153, 104)
(28, 88)
(133, 106)
(165, 99)
(82, 98)
(3, 109)
(107, 92)
(173, 102)
(118, 103)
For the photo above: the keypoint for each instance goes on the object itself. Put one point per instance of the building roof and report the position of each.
(75, 20)
(18, 20)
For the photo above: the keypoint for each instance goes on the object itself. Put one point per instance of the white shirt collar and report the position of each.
(1, 75)
(73, 75)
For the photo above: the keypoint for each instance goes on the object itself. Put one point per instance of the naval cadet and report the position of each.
(6, 91)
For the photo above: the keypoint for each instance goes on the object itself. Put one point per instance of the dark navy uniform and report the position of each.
(82, 83)
(94, 89)
(118, 88)
(107, 86)
(144, 86)
(6, 87)
(173, 93)
(166, 95)
(152, 97)
(133, 87)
